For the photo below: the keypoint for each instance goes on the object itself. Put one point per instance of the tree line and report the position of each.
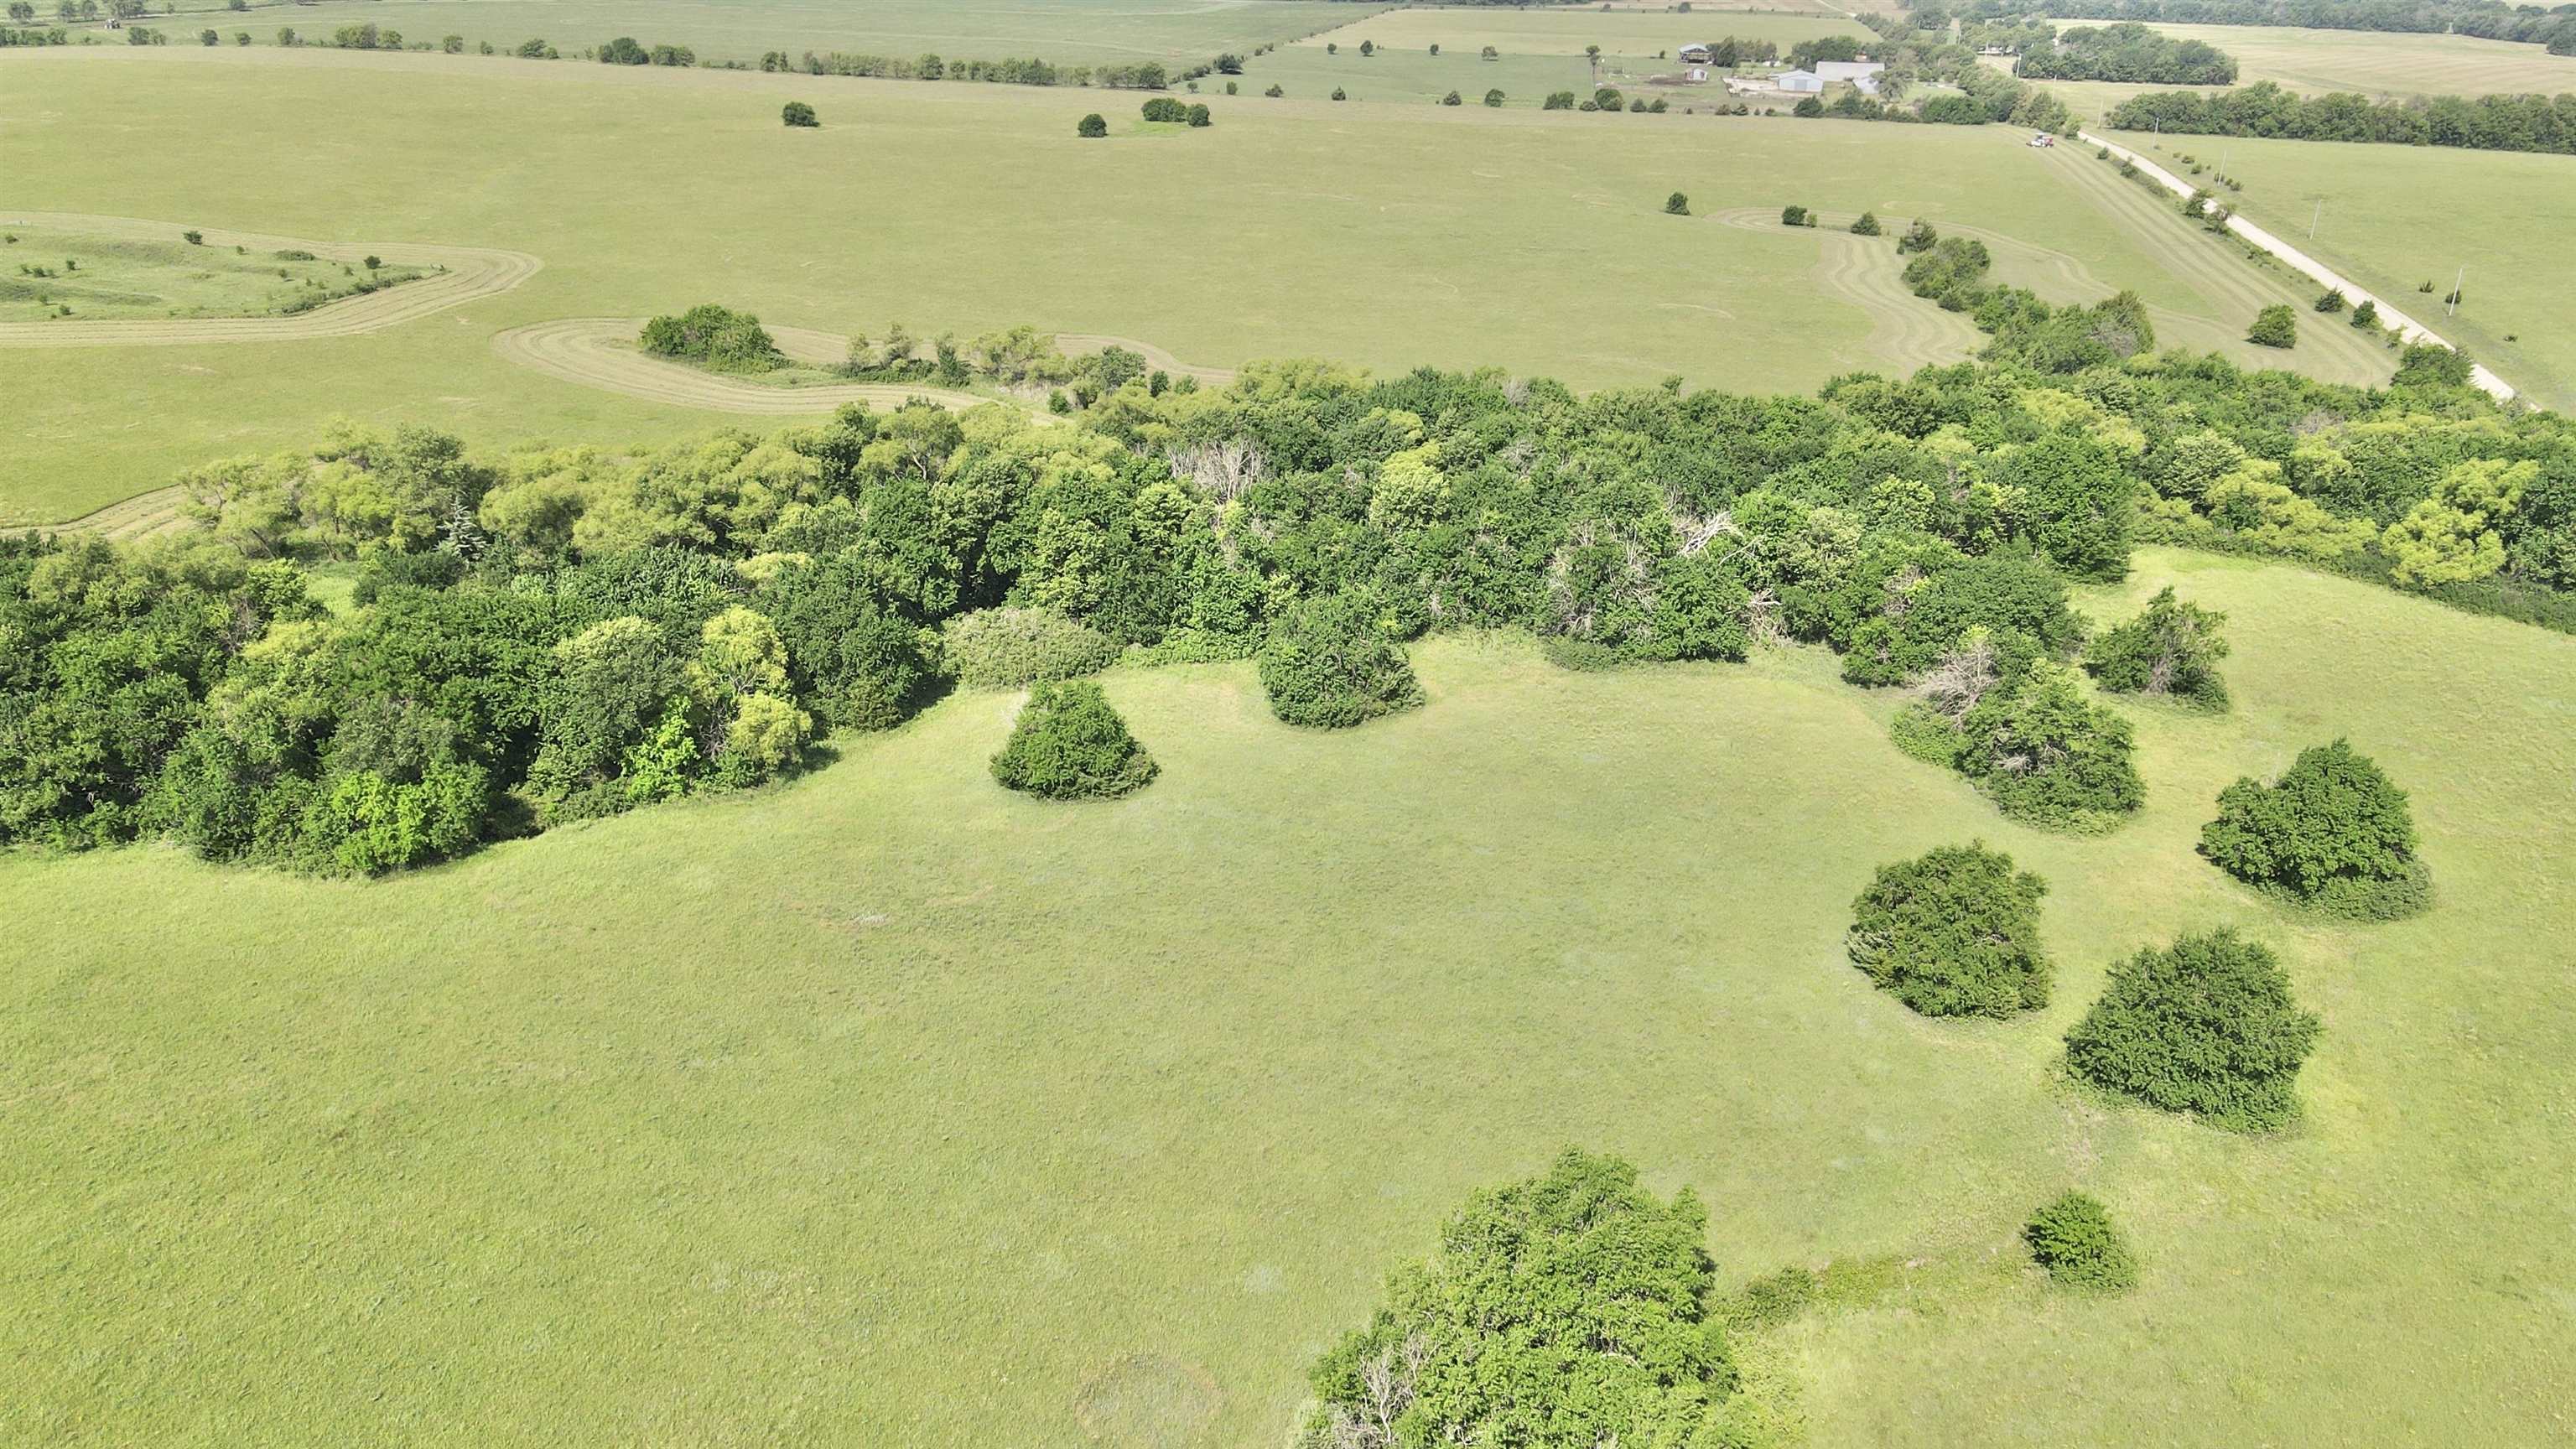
(2484, 19)
(2482, 123)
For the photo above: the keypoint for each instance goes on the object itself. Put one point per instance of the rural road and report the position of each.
(2407, 327)
(465, 274)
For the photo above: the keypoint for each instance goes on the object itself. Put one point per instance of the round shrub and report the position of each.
(2047, 756)
(1867, 225)
(1009, 648)
(1070, 745)
(2204, 1026)
(1091, 127)
(1954, 932)
(2171, 648)
(714, 337)
(797, 113)
(2275, 326)
(1331, 664)
(1677, 204)
(2332, 832)
(2076, 1241)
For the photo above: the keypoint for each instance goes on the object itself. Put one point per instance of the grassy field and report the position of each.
(1064, 31)
(1566, 30)
(2394, 217)
(1385, 235)
(2378, 64)
(888, 1107)
(109, 277)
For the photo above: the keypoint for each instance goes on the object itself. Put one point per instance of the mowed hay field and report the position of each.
(2395, 217)
(1067, 32)
(887, 1107)
(1389, 236)
(2378, 64)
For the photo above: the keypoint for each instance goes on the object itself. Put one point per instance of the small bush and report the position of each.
(1338, 95)
(193, 238)
(2333, 301)
(1867, 225)
(2205, 1026)
(1091, 127)
(1068, 744)
(1954, 932)
(2332, 832)
(2049, 757)
(2367, 314)
(1331, 664)
(1452, 99)
(1009, 648)
(1494, 98)
(2076, 1241)
(1199, 116)
(1677, 205)
(1275, 92)
(2275, 326)
(714, 337)
(2171, 648)
(1922, 236)
(1166, 108)
(797, 113)
(1793, 216)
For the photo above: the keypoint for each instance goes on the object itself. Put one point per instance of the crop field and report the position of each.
(1063, 31)
(889, 1107)
(2394, 217)
(1385, 235)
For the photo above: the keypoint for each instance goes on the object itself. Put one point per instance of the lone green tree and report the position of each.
(1092, 127)
(1331, 664)
(2274, 326)
(2171, 648)
(1954, 932)
(1566, 1312)
(1677, 205)
(797, 113)
(2332, 832)
(1867, 225)
(2204, 1026)
(2076, 1241)
(1068, 744)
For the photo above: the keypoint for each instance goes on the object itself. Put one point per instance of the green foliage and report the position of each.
(1677, 205)
(2332, 301)
(1793, 216)
(1922, 236)
(1091, 127)
(2331, 832)
(1954, 932)
(1008, 648)
(2074, 1238)
(1068, 744)
(714, 337)
(1334, 663)
(2205, 1026)
(1167, 108)
(2170, 648)
(2275, 326)
(794, 113)
(1565, 1312)
(2049, 757)
(1867, 225)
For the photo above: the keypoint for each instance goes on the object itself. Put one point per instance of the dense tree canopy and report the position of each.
(1566, 1312)
(2128, 52)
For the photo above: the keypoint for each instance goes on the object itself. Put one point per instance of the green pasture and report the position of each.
(2379, 64)
(890, 1107)
(1388, 235)
(119, 278)
(1068, 32)
(2394, 217)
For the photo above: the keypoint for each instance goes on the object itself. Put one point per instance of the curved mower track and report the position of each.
(1905, 332)
(600, 352)
(144, 515)
(466, 273)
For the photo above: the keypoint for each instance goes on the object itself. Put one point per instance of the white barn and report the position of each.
(1799, 82)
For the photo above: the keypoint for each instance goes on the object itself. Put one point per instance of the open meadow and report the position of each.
(2395, 217)
(2383, 65)
(887, 1106)
(1067, 32)
(1386, 235)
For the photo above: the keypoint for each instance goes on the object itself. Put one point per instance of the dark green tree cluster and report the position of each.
(2171, 648)
(1566, 1312)
(798, 114)
(2478, 123)
(2127, 52)
(1068, 744)
(2485, 19)
(1954, 932)
(1166, 108)
(2274, 326)
(2205, 1026)
(2331, 832)
(716, 338)
(2074, 1238)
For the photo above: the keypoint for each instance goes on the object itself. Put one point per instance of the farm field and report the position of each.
(1063, 31)
(87, 275)
(2398, 216)
(1385, 235)
(1565, 31)
(886, 1106)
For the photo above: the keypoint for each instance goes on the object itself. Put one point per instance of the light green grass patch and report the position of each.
(106, 278)
(889, 1098)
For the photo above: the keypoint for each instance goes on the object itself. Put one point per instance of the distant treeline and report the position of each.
(2479, 123)
(1144, 76)
(2484, 19)
(2128, 52)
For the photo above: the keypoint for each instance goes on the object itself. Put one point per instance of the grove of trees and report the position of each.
(2482, 123)
(2127, 52)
